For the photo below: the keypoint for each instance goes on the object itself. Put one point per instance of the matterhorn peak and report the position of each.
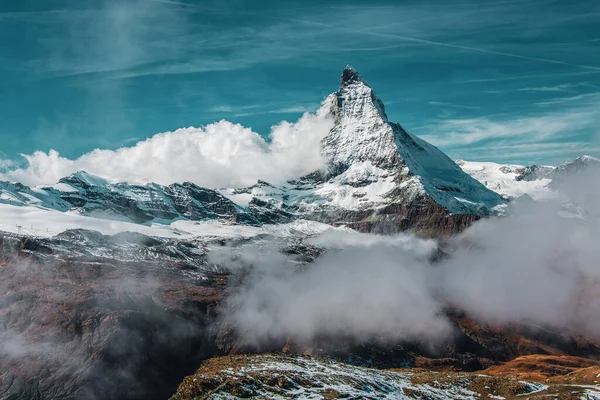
(354, 89)
(362, 132)
(351, 76)
(364, 142)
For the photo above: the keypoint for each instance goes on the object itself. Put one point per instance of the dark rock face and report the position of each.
(270, 209)
(534, 173)
(349, 75)
(425, 218)
(99, 328)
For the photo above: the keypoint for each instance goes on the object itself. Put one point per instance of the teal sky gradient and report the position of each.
(507, 81)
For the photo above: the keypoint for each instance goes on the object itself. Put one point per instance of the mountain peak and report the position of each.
(586, 158)
(361, 132)
(580, 162)
(84, 178)
(350, 76)
(363, 142)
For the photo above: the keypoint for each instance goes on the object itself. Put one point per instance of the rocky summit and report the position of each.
(110, 290)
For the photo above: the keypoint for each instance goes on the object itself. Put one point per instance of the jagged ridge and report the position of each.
(94, 196)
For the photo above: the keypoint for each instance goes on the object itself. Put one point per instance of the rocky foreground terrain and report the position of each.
(77, 325)
(117, 291)
(277, 376)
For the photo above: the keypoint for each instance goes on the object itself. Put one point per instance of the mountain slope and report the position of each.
(567, 171)
(363, 135)
(90, 195)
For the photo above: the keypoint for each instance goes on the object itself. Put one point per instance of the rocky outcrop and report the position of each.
(281, 376)
(427, 219)
(534, 173)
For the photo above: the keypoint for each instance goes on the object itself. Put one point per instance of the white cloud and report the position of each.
(557, 88)
(454, 105)
(366, 287)
(543, 138)
(460, 132)
(529, 152)
(561, 100)
(221, 154)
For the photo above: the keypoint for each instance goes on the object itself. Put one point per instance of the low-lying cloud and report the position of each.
(538, 266)
(360, 289)
(221, 154)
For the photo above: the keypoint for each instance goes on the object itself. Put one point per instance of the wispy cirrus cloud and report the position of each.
(224, 108)
(453, 105)
(294, 109)
(260, 109)
(110, 36)
(544, 138)
(530, 153)
(557, 88)
(568, 99)
(158, 37)
(469, 131)
(123, 40)
(526, 77)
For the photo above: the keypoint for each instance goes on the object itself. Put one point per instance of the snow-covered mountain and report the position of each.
(511, 180)
(569, 169)
(93, 196)
(365, 143)
(537, 181)
(378, 177)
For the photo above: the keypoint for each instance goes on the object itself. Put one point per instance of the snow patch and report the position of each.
(39, 222)
(502, 178)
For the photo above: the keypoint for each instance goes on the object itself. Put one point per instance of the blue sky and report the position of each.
(506, 80)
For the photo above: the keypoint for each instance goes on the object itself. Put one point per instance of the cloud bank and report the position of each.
(538, 266)
(364, 286)
(221, 154)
